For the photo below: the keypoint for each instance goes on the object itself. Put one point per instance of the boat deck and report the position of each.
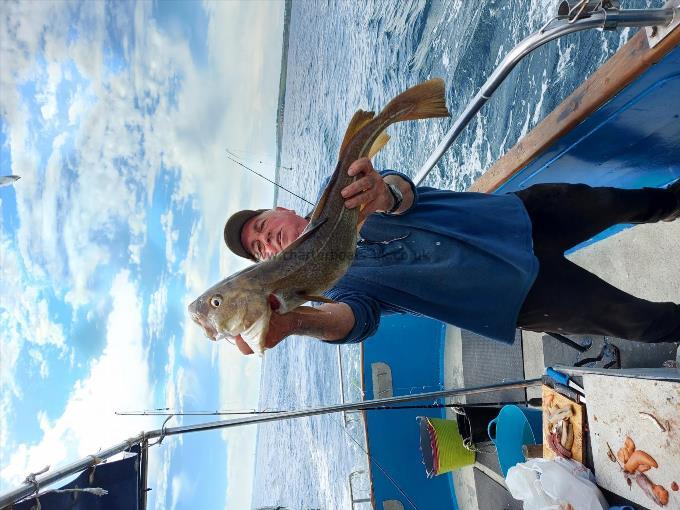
(644, 261)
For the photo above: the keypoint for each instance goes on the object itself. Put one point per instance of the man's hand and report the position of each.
(330, 321)
(279, 328)
(368, 190)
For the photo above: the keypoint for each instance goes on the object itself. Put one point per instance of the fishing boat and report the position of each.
(620, 127)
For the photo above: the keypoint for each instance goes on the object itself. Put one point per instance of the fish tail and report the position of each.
(424, 101)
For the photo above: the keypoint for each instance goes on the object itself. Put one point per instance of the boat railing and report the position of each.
(341, 378)
(358, 495)
(348, 417)
(582, 15)
(364, 496)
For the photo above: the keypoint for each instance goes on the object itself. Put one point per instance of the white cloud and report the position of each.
(239, 389)
(9, 353)
(177, 484)
(194, 342)
(118, 379)
(160, 463)
(66, 227)
(39, 359)
(26, 327)
(157, 311)
(161, 460)
(104, 193)
(78, 106)
(232, 99)
(171, 237)
(47, 97)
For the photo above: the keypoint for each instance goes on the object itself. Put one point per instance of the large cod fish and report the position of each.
(242, 303)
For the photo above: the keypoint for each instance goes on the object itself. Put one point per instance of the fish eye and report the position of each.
(216, 300)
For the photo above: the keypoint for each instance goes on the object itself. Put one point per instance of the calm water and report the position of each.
(354, 54)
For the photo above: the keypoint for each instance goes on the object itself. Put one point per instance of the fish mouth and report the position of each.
(209, 330)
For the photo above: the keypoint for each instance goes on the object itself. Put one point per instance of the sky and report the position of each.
(117, 115)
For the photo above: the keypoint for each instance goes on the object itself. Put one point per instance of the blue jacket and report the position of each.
(462, 258)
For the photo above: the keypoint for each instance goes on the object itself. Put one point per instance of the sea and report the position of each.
(343, 55)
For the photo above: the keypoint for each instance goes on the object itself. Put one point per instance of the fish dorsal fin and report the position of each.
(317, 298)
(359, 120)
(379, 143)
(312, 227)
(314, 217)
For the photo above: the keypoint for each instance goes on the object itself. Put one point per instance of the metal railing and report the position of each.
(583, 15)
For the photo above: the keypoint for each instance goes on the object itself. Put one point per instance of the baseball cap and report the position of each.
(233, 228)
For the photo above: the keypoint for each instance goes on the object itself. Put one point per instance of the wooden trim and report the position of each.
(621, 69)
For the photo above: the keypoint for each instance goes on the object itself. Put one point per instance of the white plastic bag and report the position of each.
(553, 484)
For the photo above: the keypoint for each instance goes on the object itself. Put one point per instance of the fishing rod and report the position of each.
(168, 412)
(231, 158)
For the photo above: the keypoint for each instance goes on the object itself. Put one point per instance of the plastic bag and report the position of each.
(554, 484)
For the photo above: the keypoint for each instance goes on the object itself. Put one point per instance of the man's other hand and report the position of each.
(279, 328)
(368, 190)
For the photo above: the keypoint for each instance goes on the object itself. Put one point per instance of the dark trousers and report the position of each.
(566, 298)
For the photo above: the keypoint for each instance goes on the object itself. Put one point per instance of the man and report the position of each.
(486, 263)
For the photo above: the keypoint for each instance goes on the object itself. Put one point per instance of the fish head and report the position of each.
(231, 308)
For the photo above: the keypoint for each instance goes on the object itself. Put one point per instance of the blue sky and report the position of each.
(116, 115)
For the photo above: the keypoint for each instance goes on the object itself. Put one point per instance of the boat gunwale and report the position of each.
(628, 63)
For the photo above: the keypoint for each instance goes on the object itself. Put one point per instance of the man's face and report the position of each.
(271, 231)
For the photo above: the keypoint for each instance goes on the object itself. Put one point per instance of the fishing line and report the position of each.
(235, 154)
(231, 158)
(384, 471)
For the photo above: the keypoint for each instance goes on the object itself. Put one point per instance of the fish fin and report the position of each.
(322, 201)
(278, 303)
(313, 297)
(360, 225)
(379, 143)
(423, 101)
(274, 301)
(308, 310)
(312, 227)
(359, 120)
(255, 334)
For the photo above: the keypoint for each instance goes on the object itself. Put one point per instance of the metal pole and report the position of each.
(28, 489)
(342, 383)
(629, 18)
(357, 406)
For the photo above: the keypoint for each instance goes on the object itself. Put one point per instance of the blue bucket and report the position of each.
(513, 427)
